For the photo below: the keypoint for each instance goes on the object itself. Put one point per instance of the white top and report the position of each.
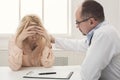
(102, 61)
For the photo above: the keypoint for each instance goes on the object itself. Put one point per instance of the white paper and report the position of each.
(59, 74)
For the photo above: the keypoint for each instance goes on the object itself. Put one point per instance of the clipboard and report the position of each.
(59, 75)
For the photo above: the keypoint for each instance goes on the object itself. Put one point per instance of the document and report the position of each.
(48, 74)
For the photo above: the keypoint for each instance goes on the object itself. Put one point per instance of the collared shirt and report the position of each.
(102, 60)
(91, 33)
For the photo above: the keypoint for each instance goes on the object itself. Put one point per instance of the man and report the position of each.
(102, 44)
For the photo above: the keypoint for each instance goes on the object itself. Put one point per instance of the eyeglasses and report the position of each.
(79, 22)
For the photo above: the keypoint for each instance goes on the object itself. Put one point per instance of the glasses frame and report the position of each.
(79, 22)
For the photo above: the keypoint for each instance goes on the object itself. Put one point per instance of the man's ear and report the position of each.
(93, 22)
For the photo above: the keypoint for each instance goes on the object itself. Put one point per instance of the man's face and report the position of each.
(82, 24)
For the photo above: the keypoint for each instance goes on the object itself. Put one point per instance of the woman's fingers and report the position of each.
(26, 24)
(30, 33)
(26, 34)
(31, 28)
(40, 28)
(43, 33)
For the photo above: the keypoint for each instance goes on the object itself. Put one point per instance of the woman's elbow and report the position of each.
(48, 64)
(15, 67)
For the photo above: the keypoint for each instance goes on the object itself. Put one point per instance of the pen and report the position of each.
(47, 73)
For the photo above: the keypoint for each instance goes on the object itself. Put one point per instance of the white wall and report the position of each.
(112, 10)
(112, 13)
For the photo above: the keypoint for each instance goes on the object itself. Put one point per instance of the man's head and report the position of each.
(89, 15)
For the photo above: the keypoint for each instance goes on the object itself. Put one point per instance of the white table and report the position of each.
(7, 74)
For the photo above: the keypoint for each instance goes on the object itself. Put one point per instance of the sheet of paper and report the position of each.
(59, 74)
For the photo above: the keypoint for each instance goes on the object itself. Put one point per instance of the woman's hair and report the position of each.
(25, 22)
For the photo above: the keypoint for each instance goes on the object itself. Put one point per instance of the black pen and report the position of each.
(46, 73)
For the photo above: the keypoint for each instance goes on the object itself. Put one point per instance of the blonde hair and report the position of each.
(25, 23)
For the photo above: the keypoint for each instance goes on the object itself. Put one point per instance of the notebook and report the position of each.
(58, 75)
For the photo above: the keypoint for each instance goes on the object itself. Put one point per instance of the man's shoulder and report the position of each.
(106, 29)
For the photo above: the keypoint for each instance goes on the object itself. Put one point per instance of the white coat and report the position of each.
(102, 61)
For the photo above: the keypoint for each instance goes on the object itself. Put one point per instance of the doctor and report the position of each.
(102, 43)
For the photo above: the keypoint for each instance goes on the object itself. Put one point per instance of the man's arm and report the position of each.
(71, 44)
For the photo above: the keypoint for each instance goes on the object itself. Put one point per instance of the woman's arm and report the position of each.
(15, 55)
(47, 58)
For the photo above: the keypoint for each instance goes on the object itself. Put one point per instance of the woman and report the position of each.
(28, 47)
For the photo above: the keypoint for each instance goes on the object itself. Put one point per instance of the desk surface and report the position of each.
(7, 74)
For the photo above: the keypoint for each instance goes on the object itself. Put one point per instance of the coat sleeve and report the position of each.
(98, 56)
(71, 45)
(47, 58)
(15, 55)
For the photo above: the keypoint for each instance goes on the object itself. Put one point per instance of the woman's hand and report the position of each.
(35, 54)
(41, 31)
(47, 58)
(24, 34)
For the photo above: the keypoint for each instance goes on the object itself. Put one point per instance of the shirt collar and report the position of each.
(90, 34)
